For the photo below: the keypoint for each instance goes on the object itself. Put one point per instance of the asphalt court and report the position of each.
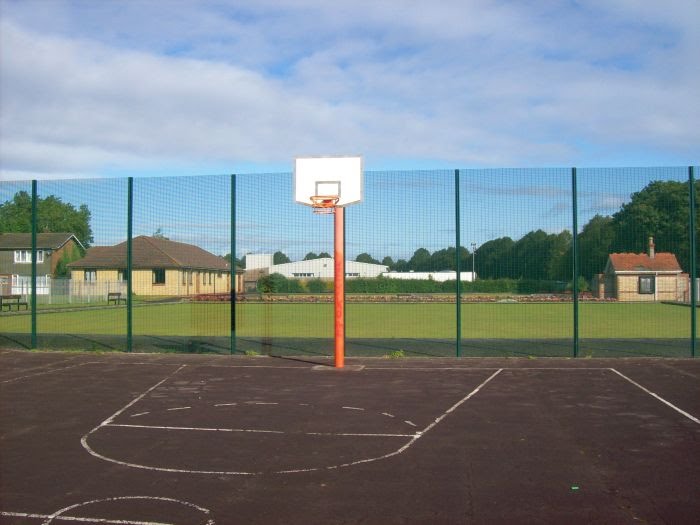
(148, 439)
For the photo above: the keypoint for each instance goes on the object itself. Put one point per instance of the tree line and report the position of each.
(660, 210)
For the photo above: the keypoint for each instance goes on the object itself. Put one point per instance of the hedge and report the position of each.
(277, 283)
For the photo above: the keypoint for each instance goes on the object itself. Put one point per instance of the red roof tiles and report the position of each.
(150, 252)
(633, 262)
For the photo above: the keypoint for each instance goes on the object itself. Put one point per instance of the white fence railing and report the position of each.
(67, 291)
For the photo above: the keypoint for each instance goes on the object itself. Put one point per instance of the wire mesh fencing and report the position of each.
(496, 262)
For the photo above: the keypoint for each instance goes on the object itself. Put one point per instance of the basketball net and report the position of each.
(324, 204)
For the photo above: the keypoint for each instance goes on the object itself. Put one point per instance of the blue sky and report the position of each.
(143, 88)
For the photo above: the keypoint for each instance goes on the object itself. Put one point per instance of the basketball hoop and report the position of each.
(324, 204)
(328, 185)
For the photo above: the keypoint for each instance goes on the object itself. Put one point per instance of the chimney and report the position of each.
(651, 248)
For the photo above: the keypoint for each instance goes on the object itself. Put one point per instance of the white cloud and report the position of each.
(96, 87)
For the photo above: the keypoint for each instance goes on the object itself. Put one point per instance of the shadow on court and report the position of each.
(355, 347)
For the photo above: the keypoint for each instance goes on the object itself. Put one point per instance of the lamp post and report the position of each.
(473, 261)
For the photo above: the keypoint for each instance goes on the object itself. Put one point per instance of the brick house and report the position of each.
(16, 260)
(159, 267)
(643, 277)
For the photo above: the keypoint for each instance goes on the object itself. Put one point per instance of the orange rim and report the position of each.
(324, 203)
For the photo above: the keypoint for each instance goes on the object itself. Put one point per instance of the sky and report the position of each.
(144, 88)
(153, 87)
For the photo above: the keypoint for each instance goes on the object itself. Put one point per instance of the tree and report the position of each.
(316, 286)
(53, 216)
(68, 256)
(659, 210)
(366, 258)
(324, 255)
(273, 283)
(280, 258)
(158, 234)
(445, 259)
(494, 259)
(559, 263)
(594, 243)
(388, 261)
(310, 256)
(421, 261)
(240, 263)
(401, 266)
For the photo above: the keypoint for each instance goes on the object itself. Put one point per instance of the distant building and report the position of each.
(647, 276)
(159, 267)
(16, 260)
(441, 277)
(323, 268)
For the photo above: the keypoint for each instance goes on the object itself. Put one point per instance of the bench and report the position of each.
(115, 297)
(12, 300)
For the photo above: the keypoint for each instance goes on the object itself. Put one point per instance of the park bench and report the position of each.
(12, 300)
(115, 297)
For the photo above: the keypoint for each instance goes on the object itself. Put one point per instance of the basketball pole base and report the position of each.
(339, 284)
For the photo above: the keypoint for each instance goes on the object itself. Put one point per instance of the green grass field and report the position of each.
(430, 321)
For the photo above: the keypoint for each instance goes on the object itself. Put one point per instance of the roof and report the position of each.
(44, 241)
(151, 252)
(641, 262)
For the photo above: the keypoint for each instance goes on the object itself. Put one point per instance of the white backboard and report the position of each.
(341, 176)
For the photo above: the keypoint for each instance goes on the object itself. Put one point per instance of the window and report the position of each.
(121, 276)
(25, 256)
(646, 284)
(90, 275)
(158, 275)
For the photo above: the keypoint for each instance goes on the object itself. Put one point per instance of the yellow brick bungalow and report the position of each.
(647, 277)
(160, 267)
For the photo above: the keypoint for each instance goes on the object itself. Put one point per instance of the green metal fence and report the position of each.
(552, 262)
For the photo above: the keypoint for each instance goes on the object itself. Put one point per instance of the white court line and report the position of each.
(254, 431)
(58, 515)
(43, 373)
(81, 519)
(674, 407)
(354, 408)
(178, 408)
(203, 429)
(412, 440)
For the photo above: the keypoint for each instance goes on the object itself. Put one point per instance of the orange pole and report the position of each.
(339, 276)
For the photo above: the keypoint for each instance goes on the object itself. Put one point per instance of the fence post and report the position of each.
(129, 284)
(693, 265)
(458, 245)
(234, 277)
(574, 254)
(34, 256)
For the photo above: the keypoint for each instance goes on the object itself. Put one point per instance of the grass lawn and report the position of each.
(434, 321)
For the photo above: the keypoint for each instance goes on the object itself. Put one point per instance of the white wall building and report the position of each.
(255, 261)
(323, 269)
(441, 277)
(313, 268)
